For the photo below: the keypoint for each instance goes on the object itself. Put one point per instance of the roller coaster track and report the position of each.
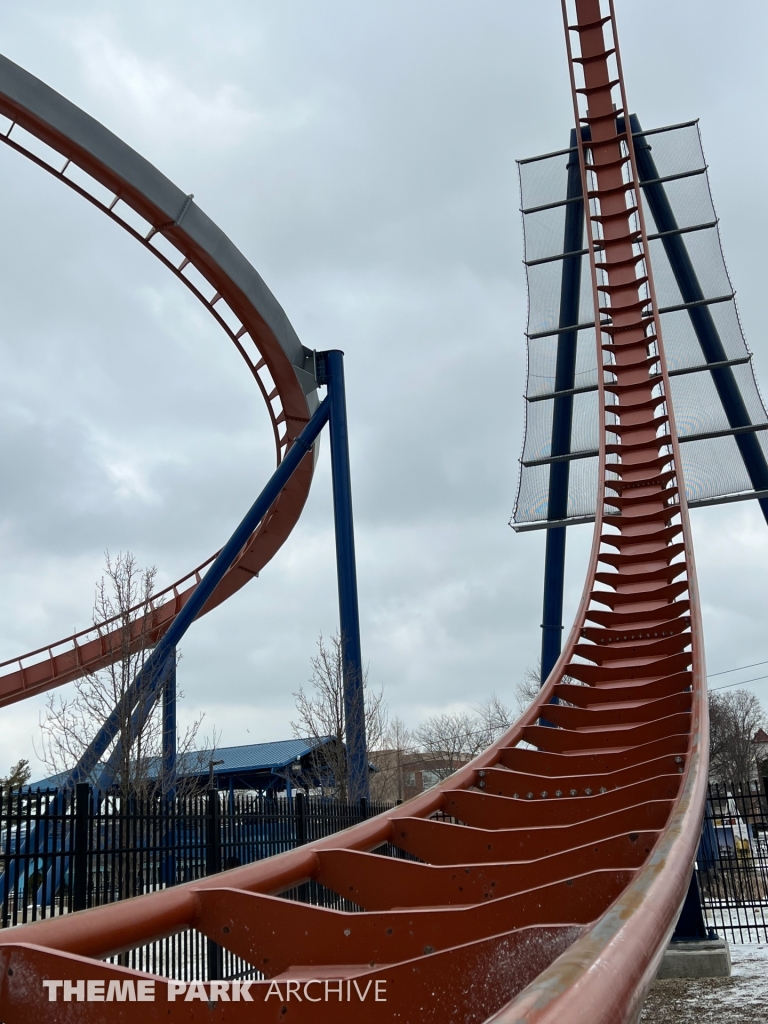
(80, 152)
(542, 881)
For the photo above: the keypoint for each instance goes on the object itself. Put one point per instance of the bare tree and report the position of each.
(734, 718)
(322, 718)
(391, 762)
(494, 718)
(453, 738)
(122, 614)
(450, 739)
(527, 690)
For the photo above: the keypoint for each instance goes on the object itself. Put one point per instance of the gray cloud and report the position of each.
(362, 156)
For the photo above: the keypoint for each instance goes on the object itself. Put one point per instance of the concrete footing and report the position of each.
(701, 958)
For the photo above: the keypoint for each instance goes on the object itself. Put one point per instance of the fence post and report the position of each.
(169, 834)
(212, 867)
(169, 774)
(363, 808)
(4, 857)
(213, 836)
(301, 818)
(80, 846)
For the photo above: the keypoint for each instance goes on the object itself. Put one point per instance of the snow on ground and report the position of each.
(740, 999)
(737, 923)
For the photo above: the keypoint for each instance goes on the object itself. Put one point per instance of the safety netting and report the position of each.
(719, 412)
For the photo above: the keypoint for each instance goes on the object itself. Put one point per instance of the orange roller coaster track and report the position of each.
(541, 882)
(85, 156)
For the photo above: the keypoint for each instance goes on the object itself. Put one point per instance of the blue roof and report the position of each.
(252, 757)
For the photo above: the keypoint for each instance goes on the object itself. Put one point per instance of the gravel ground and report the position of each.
(740, 999)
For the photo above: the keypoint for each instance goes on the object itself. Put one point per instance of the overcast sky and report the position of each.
(362, 156)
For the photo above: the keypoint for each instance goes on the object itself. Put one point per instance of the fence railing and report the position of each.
(65, 852)
(732, 862)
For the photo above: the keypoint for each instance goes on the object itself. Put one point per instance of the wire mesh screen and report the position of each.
(720, 415)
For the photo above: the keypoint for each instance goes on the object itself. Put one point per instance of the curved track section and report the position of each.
(541, 882)
(80, 152)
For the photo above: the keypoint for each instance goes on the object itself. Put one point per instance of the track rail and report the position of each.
(549, 872)
(53, 133)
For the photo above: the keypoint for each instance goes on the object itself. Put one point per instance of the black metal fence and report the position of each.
(65, 852)
(732, 861)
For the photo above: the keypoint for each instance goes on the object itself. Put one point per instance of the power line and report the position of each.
(743, 682)
(725, 672)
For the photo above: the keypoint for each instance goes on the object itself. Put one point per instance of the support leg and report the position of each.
(700, 316)
(554, 582)
(354, 699)
(562, 420)
(169, 771)
(148, 681)
(169, 729)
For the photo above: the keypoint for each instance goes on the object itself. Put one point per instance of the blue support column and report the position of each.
(149, 682)
(169, 772)
(562, 419)
(145, 688)
(169, 729)
(554, 585)
(331, 372)
(701, 317)
(691, 924)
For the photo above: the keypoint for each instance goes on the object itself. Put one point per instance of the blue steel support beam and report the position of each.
(331, 373)
(554, 585)
(147, 700)
(148, 681)
(691, 924)
(169, 771)
(702, 320)
(712, 348)
(169, 729)
(562, 420)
